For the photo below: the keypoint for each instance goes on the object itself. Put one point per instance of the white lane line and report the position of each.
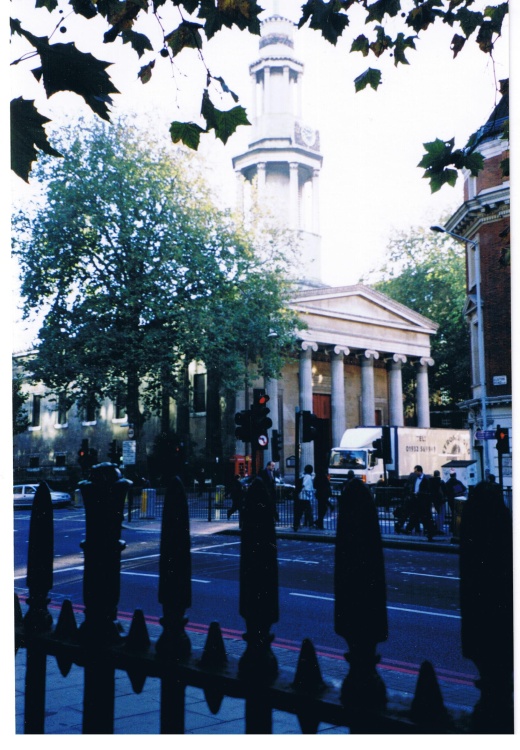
(429, 575)
(156, 575)
(397, 609)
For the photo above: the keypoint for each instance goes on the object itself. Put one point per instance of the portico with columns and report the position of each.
(349, 364)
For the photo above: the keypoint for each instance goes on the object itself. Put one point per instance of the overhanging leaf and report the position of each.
(371, 77)
(224, 123)
(27, 135)
(187, 132)
(185, 35)
(139, 42)
(65, 68)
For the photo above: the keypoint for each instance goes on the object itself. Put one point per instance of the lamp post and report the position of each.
(480, 332)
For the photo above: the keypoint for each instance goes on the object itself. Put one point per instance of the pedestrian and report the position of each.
(454, 488)
(439, 499)
(237, 499)
(419, 490)
(323, 492)
(305, 499)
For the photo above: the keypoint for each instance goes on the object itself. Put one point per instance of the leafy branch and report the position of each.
(65, 68)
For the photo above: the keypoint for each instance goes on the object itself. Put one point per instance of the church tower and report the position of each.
(283, 156)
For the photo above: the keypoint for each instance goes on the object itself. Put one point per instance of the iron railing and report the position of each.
(99, 647)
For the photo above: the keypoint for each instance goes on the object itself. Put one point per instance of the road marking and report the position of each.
(397, 609)
(430, 575)
(156, 575)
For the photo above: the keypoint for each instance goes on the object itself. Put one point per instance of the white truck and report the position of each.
(405, 447)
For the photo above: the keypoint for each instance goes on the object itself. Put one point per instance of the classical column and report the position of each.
(315, 201)
(293, 196)
(253, 95)
(308, 347)
(422, 395)
(271, 388)
(267, 91)
(240, 405)
(368, 401)
(337, 393)
(395, 390)
(240, 191)
(260, 170)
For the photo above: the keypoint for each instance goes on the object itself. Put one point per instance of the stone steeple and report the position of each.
(283, 156)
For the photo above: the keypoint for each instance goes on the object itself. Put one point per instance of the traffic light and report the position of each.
(377, 445)
(114, 453)
(276, 445)
(502, 436)
(309, 426)
(243, 422)
(83, 454)
(386, 445)
(260, 422)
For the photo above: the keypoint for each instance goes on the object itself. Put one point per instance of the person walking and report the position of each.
(454, 488)
(305, 500)
(439, 499)
(237, 499)
(323, 492)
(420, 503)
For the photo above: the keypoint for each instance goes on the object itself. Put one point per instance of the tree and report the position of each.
(134, 267)
(392, 28)
(426, 272)
(20, 416)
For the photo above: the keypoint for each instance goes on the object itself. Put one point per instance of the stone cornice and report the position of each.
(486, 208)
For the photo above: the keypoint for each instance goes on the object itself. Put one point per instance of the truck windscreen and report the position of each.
(348, 459)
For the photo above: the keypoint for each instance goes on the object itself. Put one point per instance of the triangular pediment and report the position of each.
(361, 304)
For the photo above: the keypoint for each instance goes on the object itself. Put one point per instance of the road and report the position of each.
(422, 592)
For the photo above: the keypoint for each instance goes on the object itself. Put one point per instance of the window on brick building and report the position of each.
(62, 414)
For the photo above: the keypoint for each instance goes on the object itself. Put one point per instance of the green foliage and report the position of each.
(137, 271)
(20, 416)
(426, 272)
(65, 68)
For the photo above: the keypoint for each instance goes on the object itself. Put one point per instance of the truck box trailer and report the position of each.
(375, 453)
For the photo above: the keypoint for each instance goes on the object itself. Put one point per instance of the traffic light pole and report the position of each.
(297, 451)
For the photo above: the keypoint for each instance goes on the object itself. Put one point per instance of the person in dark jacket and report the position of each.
(439, 500)
(454, 488)
(237, 498)
(323, 492)
(267, 476)
(420, 493)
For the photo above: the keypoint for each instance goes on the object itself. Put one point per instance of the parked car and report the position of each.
(23, 495)
(284, 491)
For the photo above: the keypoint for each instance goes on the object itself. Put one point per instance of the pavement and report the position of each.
(140, 713)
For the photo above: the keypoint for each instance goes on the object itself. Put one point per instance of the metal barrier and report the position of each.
(361, 704)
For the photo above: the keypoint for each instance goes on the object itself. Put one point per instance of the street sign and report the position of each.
(129, 452)
(485, 435)
(262, 440)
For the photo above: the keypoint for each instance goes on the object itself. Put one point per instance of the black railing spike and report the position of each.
(66, 630)
(428, 707)
(138, 638)
(308, 674)
(174, 592)
(66, 627)
(40, 559)
(137, 642)
(214, 655)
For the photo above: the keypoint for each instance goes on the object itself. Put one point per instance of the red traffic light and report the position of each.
(263, 399)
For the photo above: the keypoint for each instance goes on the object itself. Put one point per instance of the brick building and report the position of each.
(484, 219)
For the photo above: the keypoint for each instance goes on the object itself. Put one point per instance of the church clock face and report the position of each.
(308, 135)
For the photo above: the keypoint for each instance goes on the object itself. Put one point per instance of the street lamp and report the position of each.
(480, 331)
